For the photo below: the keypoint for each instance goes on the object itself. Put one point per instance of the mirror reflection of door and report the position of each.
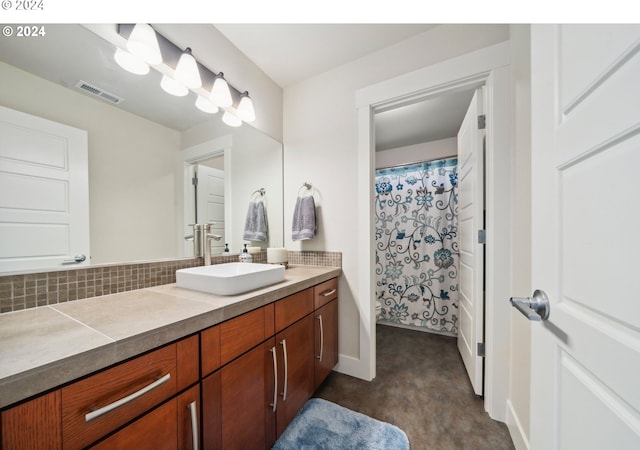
(210, 201)
(44, 193)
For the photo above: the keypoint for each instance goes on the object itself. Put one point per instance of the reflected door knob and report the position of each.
(533, 308)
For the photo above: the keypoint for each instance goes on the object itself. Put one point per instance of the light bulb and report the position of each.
(143, 43)
(220, 94)
(173, 87)
(245, 108)
(206, 105)
(231, 119)
(131, 63)
(187, 71)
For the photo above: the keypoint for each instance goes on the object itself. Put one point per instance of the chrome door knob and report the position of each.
(533, 308)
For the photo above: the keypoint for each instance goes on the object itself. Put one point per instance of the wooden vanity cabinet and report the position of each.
(236, 385)
(280, 369)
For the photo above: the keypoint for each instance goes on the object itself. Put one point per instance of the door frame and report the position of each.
(490, 67)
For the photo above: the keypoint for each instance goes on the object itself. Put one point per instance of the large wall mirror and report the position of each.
(139, 149)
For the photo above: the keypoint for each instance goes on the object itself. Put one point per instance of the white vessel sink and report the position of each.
(229, 278)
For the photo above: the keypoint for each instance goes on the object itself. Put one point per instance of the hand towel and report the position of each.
(304, 219)
(256, 225)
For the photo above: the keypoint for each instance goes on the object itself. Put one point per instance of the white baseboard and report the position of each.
(518, 436)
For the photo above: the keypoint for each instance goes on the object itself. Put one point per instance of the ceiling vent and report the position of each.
(98, 92)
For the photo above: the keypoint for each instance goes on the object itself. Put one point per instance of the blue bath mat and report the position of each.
(322, 425)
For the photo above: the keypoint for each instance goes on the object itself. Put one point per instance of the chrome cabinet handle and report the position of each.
(534, 308)
(328, 293)
(75, 259)
(118, 403)
(275, 379)
(193, 410)
(284, 349)
(321, 337)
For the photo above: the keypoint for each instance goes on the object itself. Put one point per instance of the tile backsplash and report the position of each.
(19, 292)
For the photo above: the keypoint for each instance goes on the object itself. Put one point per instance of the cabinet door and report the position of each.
(236, 410)
(326, 340)
(295, 370)
(34, 424)
(156, 430)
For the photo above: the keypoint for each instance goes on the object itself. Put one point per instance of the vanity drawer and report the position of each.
(323, 293)
(100, 403)
(225, 342)
(293, 308)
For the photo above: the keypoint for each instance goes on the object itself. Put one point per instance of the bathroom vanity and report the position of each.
(167, 367)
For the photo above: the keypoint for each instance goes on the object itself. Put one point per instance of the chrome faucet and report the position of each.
(202, 238)
(207, 237)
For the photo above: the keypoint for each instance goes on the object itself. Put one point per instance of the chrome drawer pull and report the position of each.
(118, 403)
(193, 410)
(321, 337)
(275, 379)
(286, 375)
(328, 293)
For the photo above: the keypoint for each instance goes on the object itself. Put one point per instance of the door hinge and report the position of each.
(194, 181)
(482, 122)
(482, 236)
(481, 349)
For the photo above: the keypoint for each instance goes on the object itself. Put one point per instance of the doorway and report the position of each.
(429, 205)
(488, 66)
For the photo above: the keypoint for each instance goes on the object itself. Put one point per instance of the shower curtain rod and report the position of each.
(417, 162)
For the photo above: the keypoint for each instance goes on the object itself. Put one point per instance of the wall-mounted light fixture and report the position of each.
(143, 43)
(130, 62)
(182, 73)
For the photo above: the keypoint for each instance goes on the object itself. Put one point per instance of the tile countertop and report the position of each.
(41, 348)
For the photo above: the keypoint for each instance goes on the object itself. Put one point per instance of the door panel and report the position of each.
(44, 186)
(586, 150)
(470, 220)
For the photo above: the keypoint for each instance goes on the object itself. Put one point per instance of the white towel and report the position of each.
(304, 219)
(256, 226)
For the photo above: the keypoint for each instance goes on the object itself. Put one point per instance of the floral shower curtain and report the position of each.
(416, 244)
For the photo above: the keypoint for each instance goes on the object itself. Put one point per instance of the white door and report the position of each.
(470, 220)
(211, 203)
(585, 380)
(44, 193)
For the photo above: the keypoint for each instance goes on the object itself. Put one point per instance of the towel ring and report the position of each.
(260, 191)
(305, 185)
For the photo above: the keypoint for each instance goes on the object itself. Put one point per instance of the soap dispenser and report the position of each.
(245, 256)
(226, 249)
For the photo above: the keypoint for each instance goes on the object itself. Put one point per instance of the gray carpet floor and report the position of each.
(422, 387)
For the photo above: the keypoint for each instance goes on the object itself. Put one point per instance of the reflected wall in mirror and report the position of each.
(136, 167)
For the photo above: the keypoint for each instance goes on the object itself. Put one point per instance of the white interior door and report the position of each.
(470, 220)
(585, 382)
(211, 203)
(44, 193)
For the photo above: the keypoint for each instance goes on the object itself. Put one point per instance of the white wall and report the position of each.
(410, 154)
(520, 343)
(133, 168)
(320, 138)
